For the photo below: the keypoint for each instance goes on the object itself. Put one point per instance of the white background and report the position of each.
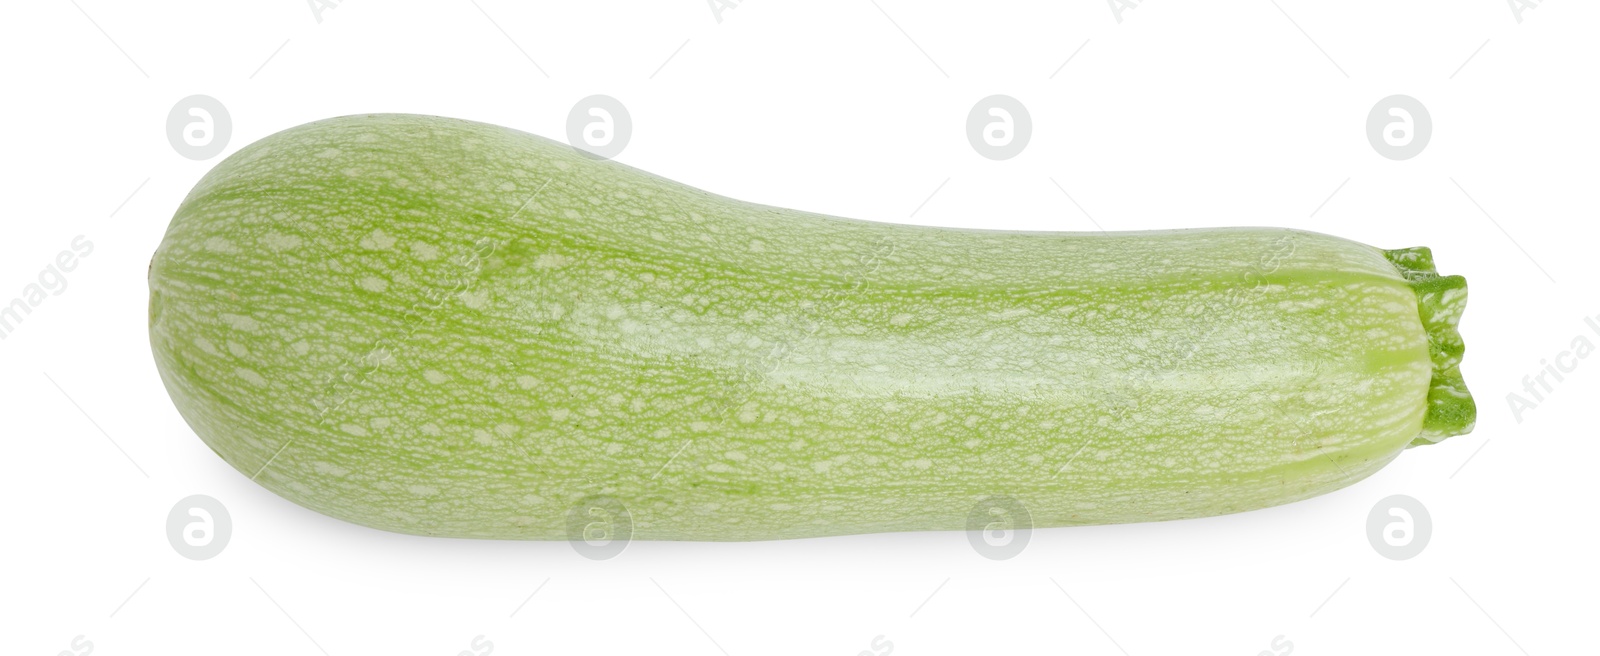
(1179, 115)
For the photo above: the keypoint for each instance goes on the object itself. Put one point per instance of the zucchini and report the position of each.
(442, 327)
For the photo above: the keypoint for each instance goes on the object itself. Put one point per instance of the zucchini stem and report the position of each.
(1440, 302)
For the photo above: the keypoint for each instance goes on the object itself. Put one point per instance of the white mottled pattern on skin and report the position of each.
(357, 314)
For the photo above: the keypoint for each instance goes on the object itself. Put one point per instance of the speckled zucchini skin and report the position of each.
(441, 327)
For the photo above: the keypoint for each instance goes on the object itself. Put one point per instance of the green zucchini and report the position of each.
(442, 327)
